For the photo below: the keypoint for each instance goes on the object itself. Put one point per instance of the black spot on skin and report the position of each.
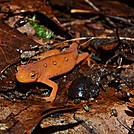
(45, 65)
(66, 59)
(54, 63)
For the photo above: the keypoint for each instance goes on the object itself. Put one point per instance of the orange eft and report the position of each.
(55, 63)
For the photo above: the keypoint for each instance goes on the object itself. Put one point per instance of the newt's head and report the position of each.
(26, 74)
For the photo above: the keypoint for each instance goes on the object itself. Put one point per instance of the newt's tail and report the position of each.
(73, 49)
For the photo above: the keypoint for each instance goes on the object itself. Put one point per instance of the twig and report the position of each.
(125, 125)
(106, 15)
(80, 11)
(79, 22)
(92, 38)
(88, 126)
(97, 9)
(126, 21)
(92, 5)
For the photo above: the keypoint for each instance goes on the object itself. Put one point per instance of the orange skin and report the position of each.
(53, 63)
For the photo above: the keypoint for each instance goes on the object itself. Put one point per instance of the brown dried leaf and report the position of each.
(38, 6)
(12, 44)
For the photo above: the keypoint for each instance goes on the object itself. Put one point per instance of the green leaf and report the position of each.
(86, 108)
(40, 29)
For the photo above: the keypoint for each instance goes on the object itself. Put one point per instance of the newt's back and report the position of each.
(60, 63)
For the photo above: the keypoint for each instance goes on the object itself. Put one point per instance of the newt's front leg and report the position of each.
(54, 89)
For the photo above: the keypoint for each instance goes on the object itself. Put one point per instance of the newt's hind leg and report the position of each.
(83, 57)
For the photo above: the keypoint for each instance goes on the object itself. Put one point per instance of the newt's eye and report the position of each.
(32, 74)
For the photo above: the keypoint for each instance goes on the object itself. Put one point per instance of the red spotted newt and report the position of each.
(55, 63)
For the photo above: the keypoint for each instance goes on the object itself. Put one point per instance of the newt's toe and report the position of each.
(49, 99)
